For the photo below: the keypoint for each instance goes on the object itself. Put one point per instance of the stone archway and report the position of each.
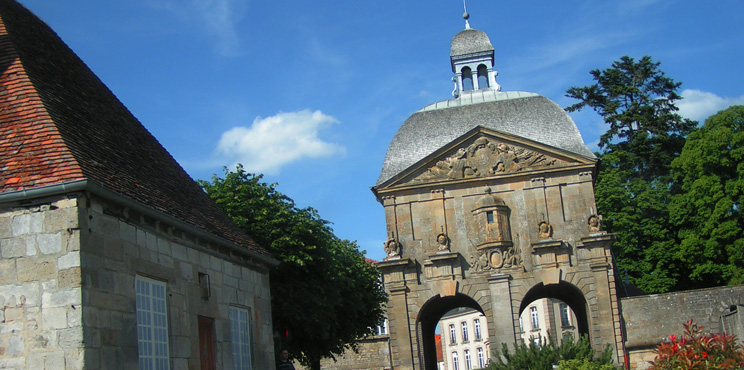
(567, 293)
(429, 315)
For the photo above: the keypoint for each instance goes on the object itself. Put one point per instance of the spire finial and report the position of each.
(465, 15)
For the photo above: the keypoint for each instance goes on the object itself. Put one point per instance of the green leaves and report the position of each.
(324, 292)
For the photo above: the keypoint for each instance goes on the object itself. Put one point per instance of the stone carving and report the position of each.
(485, 158)
(442, 243)
(495, 259)
(392, 248)
(595, 224)
(544, 230)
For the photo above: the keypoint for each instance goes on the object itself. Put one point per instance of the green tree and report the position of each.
(707, 212)
(633, 186)
(324, 293)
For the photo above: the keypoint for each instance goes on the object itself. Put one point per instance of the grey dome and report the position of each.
(470, 41)
(523, 114)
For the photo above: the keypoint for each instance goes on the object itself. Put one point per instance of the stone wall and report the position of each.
(40, 296)
(67, 278)
(650, 319)
(373, 353)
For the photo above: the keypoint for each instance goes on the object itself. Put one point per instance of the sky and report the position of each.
(310, 93)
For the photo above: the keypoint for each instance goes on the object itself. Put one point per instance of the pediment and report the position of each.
(484, 153)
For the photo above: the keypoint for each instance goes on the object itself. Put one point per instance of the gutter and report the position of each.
(106, 193)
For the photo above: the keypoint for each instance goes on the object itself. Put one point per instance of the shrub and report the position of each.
(696, 350)
(545, 355)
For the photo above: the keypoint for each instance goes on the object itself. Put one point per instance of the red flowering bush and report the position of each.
(695, 350)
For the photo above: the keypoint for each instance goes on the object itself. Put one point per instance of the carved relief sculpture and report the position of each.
(544, 230)
(595, 224)
(392, 248)
(442, 243)
(485, 158)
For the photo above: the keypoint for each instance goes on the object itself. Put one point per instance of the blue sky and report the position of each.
(310, 93)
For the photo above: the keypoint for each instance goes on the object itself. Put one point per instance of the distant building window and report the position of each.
(240, 333)
(382, 329)
(481, 358)
(535, 319)
(152, 324)
(464, 331)
(476, 324)
(565, 317)
(455, 364)
(453, 337)
(468, 365)
(521, 325)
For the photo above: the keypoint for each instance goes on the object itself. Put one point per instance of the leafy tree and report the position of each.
(324, 293)
(546, 354)
(707, 212)
(633, 187)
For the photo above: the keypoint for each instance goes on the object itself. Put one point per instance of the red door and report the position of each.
(206, 343)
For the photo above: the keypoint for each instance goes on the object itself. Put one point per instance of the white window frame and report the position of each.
(533, 317)
(565, 315)
(455, 364)
(152, 324)
(464, 326)
(481, 358)
(453, 334)
(476, 324)
(241, 338)
(383, 328)
(468, 363)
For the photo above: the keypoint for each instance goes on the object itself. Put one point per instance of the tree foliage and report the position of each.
(634, 185)
(570, 353)
(707, 211)
(323, 293)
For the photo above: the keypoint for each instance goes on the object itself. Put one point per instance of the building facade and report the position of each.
(547, 319)
(111, 256)
(465, 344)
(489, 205)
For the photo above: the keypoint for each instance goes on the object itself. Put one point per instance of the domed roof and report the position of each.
(489, 200)
(523, 114)
(470, 41)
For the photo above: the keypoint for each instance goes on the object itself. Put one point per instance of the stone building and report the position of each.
(547, 319)
(465, 345)
(112, 257)
(489, 205)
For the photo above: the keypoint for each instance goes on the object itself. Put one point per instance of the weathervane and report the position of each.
(465, 15)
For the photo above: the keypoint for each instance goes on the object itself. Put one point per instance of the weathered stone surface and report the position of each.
(31, 269)
(12, 248)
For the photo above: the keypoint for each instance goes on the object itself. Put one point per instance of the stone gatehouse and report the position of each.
(489, 204)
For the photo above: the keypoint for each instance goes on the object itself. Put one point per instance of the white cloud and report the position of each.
(699, 105)
(275, 141)
(218, 18)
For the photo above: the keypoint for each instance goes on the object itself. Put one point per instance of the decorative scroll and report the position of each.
(486, 158)
(495, 259)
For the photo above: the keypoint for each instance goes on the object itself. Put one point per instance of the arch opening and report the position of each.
(483, 77)
(467, 79)
(429, 318)
(547, 301)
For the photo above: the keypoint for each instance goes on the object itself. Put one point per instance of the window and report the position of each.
(482, 76)
(476, 323)
(464, 331)
(468, 365)
(152, 324)
(453, 338)
(489, 217)
(565, 317)
(535, 320)
(481, 358)
(521, 325)
(455, 365)
(240, 335)
(467, 79)
(382, 329)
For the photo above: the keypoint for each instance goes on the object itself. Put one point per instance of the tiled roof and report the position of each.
(60, 123)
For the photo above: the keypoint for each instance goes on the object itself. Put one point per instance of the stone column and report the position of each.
(501, 326)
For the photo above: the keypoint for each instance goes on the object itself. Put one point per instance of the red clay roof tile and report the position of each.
(60, 123)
